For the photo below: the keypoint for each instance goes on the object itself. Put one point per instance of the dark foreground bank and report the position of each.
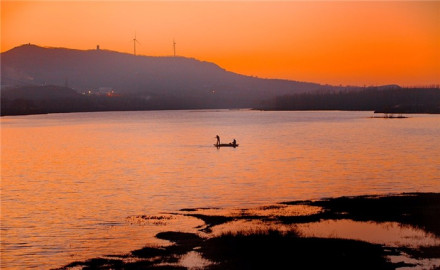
(274, 248)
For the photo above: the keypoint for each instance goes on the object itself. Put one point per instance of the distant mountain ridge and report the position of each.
(147, 77)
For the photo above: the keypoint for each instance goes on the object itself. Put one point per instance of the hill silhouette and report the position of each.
(192, 82)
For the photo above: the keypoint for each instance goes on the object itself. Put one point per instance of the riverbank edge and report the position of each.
(274, 249)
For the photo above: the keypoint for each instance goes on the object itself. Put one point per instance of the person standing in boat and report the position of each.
(218, 139)
(234, 143)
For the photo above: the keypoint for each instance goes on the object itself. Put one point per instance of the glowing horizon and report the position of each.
(348, 43)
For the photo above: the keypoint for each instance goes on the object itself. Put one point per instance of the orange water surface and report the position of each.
(72, 183)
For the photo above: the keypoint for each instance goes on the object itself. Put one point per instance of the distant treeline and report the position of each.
(55, 99)
(24, 106)
(398, 100)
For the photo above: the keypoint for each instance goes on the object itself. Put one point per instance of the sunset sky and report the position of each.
(348, 43)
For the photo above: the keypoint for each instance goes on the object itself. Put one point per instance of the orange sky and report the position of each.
(349, 43)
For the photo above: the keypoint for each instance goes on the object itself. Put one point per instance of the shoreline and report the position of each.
(255, 109)
(271, 237)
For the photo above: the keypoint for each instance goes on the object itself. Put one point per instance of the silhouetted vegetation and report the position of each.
(56, 99)
(273, 249)
(378, 99)
(415, 209)
(257, 250)
(276, 250)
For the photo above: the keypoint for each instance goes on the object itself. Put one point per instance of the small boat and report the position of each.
(225, 145)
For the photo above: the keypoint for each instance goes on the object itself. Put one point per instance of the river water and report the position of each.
(71, 183)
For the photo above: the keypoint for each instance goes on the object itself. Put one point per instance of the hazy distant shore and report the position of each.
(399, 101)
(270, 245)
(55, 99)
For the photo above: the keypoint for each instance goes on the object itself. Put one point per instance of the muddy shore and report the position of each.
(270, 237)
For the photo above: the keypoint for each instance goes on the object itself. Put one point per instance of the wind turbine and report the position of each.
(134, 44)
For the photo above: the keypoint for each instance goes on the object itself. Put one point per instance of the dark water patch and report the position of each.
(211, 221)
(149, 252)
(189, 209)
(181, 238)
(123, 256)
(198, 209)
